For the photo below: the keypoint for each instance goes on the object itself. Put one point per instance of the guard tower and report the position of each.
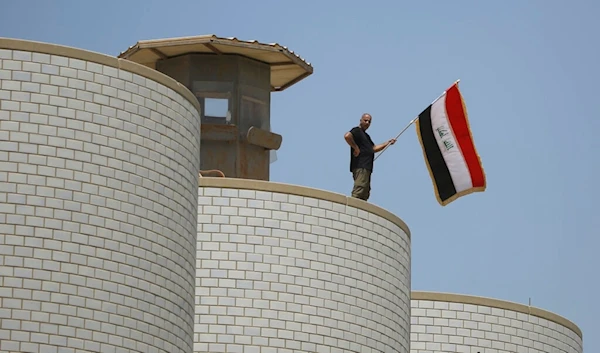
(233, 81)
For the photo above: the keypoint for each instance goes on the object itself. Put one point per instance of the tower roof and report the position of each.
(287, 68)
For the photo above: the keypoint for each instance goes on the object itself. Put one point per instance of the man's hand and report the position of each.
(355, 151)
(380, 147)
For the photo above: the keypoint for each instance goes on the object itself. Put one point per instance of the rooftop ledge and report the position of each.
(99, 58)
(259, 185)
(496, 303)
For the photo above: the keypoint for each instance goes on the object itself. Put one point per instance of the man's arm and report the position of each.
(350, 140)
(381, 146)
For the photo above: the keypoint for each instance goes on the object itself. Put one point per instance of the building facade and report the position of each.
(99, 163)
(442, 322)
(284, 268)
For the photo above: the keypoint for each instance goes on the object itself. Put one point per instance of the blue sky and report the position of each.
(528, 73)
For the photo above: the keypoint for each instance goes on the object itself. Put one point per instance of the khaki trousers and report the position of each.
(362, 183)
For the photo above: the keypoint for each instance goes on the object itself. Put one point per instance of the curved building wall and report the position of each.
(99, 162)
(458, 323)
(284, 268)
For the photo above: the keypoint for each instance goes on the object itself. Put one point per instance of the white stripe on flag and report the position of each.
(461, 176)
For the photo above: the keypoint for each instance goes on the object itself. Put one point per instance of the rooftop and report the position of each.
(287, 68)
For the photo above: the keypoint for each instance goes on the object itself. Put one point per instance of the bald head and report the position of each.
(365, 121)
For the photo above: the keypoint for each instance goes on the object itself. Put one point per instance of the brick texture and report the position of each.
(98, 182)
(439, 326)
(279, 273)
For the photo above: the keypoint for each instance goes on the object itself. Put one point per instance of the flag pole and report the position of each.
(401, 132)
(414, 120)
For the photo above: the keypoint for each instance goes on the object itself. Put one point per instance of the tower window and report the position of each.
(216, 107)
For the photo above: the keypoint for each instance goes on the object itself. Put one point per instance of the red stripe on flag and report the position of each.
(458, 120)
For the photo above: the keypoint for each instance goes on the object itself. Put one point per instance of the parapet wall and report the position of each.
(444, 322)
(99, 160)
(283, 268)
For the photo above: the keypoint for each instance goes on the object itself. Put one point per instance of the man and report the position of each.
(362, 155)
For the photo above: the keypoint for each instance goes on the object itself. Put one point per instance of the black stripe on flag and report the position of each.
(437, 164)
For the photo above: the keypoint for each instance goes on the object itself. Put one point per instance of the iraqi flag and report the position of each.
(450, 154)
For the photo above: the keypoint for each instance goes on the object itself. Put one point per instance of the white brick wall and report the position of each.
(444, 326)
(98, 175)
(278, 273)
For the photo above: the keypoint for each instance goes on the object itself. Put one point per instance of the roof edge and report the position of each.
(497, 303)
(99, 58)
(209, 39)
(261, 185)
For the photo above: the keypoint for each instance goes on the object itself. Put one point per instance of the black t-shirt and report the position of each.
(365, 144)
